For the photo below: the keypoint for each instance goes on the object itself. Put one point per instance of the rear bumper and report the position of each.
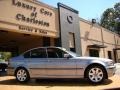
(111, 70)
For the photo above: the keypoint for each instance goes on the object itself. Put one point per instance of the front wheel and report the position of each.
(96, 74)
(22, 75)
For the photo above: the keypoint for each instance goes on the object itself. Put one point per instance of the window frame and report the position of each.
(94, 51)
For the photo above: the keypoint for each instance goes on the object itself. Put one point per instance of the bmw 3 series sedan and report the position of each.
(57, 62)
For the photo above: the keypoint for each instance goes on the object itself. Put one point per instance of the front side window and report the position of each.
(52, 53)
(55, 53)
(61, 53)
(36, 53)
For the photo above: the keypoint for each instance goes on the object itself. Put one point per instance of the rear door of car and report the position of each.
(58, 66)
(37, 62)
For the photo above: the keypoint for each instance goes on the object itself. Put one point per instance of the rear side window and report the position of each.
(36, 53)
(27, 55)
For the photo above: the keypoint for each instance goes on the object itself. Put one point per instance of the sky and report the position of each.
(88, 9)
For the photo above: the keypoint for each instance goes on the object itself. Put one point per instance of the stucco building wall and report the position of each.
(93, 34)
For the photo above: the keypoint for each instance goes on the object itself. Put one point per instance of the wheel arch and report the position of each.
(19, 67)
(95, 64)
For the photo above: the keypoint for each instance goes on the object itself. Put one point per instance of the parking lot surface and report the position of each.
(9, 83)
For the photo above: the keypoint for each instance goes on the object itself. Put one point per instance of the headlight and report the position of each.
(110, 63)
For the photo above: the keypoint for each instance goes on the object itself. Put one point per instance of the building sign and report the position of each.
(32, 18)
(29, 16)
(32, 30)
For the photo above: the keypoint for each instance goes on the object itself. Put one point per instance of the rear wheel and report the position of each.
(96, 74)
(22, 75)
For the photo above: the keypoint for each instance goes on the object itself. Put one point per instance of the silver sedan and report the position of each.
(56, 62)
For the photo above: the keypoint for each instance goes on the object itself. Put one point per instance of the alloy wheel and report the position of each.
(21, 75)
(96, 74)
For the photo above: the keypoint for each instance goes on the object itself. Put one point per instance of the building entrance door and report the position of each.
(17, 43)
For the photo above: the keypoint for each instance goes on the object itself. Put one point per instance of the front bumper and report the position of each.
(111, 70)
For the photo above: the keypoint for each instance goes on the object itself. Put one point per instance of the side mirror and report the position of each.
(66, 56)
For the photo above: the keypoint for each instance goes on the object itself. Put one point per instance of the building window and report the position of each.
(72, 42)
(94, 52)
(110, 54)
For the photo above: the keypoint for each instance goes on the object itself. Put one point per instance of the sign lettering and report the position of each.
(23, 18)
(23, 5)
(32, 18)
(32, 30)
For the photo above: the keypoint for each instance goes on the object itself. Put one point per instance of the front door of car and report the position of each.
(58, 65)
(37, 62)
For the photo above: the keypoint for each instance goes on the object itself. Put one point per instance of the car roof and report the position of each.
(42, 47)
(45, 47)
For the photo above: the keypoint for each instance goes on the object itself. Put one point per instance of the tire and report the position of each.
(22, 75)
(96, 74)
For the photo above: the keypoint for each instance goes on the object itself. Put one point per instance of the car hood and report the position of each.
(93, 58)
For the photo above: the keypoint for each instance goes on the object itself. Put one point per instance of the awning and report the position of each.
(96, 46)
(117, 49)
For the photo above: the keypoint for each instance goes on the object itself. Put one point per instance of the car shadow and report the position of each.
(53, 82)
